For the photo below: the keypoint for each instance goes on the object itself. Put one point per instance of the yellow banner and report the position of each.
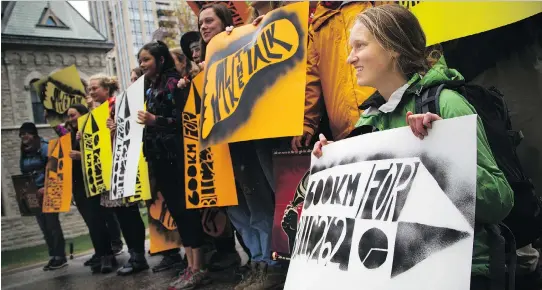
(209, 178)
(255, 79)
(96, 150)
(443, 21)
(59, 91)
(143, 187)
(58, 176)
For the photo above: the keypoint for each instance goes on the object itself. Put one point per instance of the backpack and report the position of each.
(525, 218)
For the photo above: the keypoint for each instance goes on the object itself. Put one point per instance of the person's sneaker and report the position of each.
(55, 264)
(181, 276)
(117, 249)
(195, 280)
(168, 262)
(248, 277)
(93, 260)
(136, 263)
(46, 267)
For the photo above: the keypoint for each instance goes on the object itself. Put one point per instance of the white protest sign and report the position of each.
(128, 140)
(389, 211)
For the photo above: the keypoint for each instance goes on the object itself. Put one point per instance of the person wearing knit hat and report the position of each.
(190, 44)
(29, 128)
(33, 162)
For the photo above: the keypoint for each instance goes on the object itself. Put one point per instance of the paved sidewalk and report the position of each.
(76, 276)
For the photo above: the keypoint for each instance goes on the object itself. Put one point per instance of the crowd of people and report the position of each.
(387, 58)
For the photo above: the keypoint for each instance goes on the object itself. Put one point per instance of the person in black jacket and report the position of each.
(162, 148)
(93, 214)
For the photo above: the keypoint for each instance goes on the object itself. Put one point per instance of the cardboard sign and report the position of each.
(209, 180)
(249, 93)
(26, 193)
(127, 148)
(59, 91)
(96, 150)
(162, 228)
(291, 171)
(239, 9)
(380, 214)
(58, 176)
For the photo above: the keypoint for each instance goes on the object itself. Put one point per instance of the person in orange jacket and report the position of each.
(331, 82)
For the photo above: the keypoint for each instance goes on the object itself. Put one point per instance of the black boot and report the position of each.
(93, 260)
(107, 264)
(136, 263)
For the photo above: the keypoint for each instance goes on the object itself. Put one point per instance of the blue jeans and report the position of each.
(253, 217)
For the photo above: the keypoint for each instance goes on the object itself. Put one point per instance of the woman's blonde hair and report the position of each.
(398, 30)
(109, 82)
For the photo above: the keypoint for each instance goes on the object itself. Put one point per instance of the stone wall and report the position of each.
(18, 69)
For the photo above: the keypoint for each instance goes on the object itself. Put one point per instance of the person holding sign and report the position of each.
(102, 89)
(162, 149)
(330, 80)
(389, 53)
(33, 161)
(93, 214)
(253, 217)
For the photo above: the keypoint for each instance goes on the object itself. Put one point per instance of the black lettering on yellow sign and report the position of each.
(244, 71)
(94, 175)
(58, 97)
(409, 4)
(55, 179)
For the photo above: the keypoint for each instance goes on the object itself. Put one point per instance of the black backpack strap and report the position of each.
(428, 100)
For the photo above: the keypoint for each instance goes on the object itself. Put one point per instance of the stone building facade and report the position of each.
(37, 39)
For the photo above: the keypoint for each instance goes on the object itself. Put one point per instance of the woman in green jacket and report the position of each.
(389, 54)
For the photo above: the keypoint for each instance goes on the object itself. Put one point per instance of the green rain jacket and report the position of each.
(494, 197)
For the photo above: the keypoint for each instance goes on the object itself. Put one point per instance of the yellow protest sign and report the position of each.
(255, 79)
(143, 187)
(163, 231)
(58, 176)
(208, 173)
(59, 91)
(445, 20)
(96, 150)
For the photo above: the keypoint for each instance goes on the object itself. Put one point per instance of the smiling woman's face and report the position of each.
(209, 24)
(371, 61)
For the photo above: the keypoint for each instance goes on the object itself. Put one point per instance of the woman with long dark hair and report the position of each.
(162, 148)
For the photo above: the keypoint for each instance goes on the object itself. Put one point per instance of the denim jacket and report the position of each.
(35, 163)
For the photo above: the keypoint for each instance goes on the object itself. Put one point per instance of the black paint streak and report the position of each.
(415, 242)
(257, 85)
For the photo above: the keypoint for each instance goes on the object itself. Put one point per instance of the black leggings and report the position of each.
(170, 182)
(132, 226)
(95, 218)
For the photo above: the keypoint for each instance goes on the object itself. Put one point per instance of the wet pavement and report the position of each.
(77, 276)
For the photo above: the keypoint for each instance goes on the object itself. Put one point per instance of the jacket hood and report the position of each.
(438, 74)
(321, 15)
